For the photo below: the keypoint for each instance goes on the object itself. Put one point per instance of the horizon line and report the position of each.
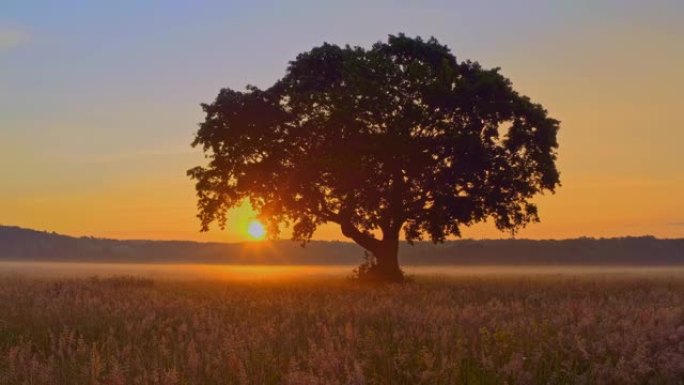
(338, 241)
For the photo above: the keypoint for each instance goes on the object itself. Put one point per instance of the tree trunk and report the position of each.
(385, 251)
(387, 268)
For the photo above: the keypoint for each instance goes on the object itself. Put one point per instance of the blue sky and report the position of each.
(99, 101)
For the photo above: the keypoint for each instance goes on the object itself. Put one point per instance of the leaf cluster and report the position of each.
(400, 136)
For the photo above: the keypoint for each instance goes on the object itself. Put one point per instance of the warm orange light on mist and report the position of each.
(256, 230)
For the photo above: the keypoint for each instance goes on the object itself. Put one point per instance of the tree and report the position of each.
(398, 137)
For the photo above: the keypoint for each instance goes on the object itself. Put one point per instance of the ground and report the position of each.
(541, 329)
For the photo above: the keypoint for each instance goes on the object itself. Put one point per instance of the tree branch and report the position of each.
(364, 240)
(349, 230)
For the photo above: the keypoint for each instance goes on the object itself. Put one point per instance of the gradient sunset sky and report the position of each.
(99, 102)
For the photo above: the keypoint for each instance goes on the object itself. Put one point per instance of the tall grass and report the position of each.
(488, 330)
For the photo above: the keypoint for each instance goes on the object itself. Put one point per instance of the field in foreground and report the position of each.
(619, 329)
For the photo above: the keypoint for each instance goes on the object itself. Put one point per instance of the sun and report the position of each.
(256, 230)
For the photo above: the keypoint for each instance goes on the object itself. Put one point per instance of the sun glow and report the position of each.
(256, 230)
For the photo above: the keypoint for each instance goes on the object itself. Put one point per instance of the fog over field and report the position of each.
(583, 311)
(290, 272)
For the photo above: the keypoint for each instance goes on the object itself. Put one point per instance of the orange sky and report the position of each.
(97, 112)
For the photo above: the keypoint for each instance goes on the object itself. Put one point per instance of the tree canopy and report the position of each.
(400, 137)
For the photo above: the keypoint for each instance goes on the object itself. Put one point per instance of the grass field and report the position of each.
(515, 329)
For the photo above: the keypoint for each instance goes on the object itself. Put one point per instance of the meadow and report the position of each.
(617, 328)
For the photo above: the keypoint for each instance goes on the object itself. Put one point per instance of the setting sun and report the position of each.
(256, 230)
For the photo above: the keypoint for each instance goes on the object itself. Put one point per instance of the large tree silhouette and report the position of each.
(397, 138)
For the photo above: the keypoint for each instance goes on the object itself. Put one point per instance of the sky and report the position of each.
(99, 102)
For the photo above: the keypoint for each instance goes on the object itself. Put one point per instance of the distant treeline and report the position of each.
(17, 244)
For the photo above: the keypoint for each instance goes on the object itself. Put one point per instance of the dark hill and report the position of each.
(18, 244)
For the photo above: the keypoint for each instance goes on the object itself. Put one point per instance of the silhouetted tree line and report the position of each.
(17, 244)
